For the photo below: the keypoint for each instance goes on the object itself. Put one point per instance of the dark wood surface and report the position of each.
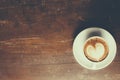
(36, 38)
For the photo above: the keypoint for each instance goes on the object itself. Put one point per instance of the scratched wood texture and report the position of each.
(36, 38)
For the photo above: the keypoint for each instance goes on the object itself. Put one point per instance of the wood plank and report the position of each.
(36, 38)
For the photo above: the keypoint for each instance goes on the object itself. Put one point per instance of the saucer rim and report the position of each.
(77, 58)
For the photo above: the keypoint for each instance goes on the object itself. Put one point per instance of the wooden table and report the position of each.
(36, 38)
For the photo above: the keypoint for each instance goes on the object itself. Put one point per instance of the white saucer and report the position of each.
(79, 53)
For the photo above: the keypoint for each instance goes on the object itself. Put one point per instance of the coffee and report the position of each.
(96, 49)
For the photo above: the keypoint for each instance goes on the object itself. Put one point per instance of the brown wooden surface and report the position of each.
(36, 38)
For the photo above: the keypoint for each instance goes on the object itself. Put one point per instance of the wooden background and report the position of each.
(36, 38)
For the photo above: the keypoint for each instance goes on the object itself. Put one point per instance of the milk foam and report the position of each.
(96, 52)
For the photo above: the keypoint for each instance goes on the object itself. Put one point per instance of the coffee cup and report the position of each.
(94, 48)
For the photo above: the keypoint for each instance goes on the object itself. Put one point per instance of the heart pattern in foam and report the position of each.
(96, 52)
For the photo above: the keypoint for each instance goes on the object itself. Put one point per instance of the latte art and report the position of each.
(95, 49)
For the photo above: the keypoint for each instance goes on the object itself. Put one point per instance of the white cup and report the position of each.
(78, 47)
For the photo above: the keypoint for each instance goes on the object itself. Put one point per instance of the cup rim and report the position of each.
(83, 61)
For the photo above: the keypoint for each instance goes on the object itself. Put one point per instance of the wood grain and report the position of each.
(36, 38)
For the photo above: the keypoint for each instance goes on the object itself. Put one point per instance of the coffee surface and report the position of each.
(96, 49)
